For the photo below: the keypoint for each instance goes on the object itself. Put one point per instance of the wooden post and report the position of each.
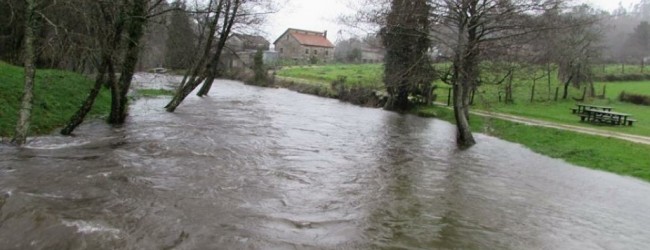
(557, 92)
(584, 94)
(622, 68)
(604, 90)
(642, 64)
(471, 101)
(532, 93)
(449, 97)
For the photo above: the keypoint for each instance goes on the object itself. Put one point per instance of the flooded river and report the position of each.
(255, 168)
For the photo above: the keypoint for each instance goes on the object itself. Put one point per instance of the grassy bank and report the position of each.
(613, 155)
(366, 75)
(58, 94)
(153, 92)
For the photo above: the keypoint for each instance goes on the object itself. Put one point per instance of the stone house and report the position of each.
(304, 46)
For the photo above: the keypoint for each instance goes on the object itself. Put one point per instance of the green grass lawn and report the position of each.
(487, 99)
(57, 95)
(613, 155)
(367, 75)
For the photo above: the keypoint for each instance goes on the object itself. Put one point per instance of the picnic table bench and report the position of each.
(607, 117)
(582, 107)
(602, 114)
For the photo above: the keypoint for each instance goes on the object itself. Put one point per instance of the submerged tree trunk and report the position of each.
(119, 89)
(229, 20)
(201, 70)
(25, 113)
(466, 74)
(464, 137)
(87, 105)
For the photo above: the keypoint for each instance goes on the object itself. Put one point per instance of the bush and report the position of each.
(622, 77)
(635, 98)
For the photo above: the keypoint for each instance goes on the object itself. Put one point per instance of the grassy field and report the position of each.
(541, 108)
(58, 95)
(620, 69)
(613, 155)
(368, 75)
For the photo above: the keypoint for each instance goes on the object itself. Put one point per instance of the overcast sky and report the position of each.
(321, 15)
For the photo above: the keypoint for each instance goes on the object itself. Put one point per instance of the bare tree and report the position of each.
(221, 16)
(119, 28)
(31, 24)
(468, 28)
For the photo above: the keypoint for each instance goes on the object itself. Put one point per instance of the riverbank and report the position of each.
(57, 95)
(592, 151)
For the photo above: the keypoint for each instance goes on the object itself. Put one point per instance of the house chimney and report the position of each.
(325, 34)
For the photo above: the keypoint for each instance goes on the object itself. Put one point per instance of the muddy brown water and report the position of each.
(254, 168)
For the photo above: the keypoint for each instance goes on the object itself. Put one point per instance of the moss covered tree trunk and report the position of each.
(213, 72)
(87, 105)
(197, 74)
(135, 30)
(27, 103)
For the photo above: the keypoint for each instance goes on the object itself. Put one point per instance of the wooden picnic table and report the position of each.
(582, 107)
(604, 116)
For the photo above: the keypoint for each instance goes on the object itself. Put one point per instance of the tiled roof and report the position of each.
(312, 40)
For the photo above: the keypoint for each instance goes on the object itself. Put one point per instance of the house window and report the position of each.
(315, 52)
(307, 51)
(327, 52)
(281, 50)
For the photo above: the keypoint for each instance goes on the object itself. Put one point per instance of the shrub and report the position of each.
(634, 98)
(622, 77)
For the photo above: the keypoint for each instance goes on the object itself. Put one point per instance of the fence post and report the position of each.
(557, 91)
(532, 94)
(449, 96)
(471, 102)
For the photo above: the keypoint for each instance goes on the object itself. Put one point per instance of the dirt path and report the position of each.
(578, 129)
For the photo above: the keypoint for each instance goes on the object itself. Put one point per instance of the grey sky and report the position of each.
(320, 15)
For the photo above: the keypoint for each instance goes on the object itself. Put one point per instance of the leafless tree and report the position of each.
(220, 16)
(31, 25)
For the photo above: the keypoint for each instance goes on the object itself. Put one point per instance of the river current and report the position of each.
(259, 168)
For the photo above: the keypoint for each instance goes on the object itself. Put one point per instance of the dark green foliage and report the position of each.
(622, 77)
(180, 38)
(261, 76)
(313, 60)
(11, 29)
(638, 44)
(354, 55)
(407, 64)
(635, 98)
